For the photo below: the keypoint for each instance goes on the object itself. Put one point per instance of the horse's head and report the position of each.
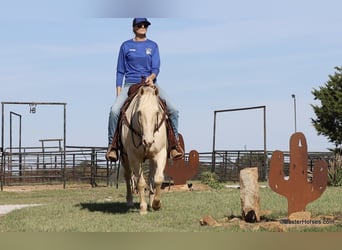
(149, 114)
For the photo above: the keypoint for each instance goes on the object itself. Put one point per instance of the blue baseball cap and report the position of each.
(139, 20)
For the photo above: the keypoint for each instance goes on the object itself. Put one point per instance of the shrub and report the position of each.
(335, 171)
(211, 180)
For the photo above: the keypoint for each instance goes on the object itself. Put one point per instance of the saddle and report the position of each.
(133, 90)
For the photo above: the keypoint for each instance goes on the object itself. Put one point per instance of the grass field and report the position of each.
(103, 209)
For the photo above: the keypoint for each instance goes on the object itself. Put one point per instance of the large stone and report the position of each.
(249, 194)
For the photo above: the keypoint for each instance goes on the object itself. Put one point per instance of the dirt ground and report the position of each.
(30, 188)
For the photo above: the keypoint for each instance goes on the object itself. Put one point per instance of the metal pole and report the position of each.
(20, 156)
(213, 152)
(64, 145)
(11, 144)
(2, 126)
(92, 168)
(2, 147)
(11, 133)
(265, 147)
(295, 112)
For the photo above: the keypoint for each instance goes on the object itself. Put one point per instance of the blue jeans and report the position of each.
(114, 112)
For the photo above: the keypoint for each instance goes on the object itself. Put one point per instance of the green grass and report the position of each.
(103, 209)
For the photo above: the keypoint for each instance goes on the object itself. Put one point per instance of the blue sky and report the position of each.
(215, 55)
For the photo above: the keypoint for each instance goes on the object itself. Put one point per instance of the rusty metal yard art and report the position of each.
(179, 170)
(296, 187)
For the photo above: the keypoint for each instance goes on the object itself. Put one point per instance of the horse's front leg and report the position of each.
(158, 181)
(156, 203)
(141, 189)
(151, 183)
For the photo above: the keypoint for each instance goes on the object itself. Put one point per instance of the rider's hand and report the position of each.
(149, 79)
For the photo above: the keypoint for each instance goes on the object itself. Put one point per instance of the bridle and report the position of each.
(138, 132)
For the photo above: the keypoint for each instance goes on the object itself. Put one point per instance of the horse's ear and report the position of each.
(156, 91)
(141, 91)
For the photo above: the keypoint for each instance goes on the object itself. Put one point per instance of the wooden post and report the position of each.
(249, 194)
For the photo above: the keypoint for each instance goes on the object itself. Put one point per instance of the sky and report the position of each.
(215, 55)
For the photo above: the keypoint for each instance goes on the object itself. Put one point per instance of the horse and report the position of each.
(144, 137)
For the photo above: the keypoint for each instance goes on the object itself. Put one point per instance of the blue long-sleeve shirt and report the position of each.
(137, 59)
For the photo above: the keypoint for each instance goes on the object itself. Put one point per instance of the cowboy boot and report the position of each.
(176, 153)
(111, 154)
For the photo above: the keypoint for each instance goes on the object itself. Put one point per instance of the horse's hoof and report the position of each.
(143, 212)
(156, 204)
(143, 209)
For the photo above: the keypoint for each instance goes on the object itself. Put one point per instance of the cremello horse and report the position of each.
(144, 136)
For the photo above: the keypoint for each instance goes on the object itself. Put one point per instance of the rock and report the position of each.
(249, 194)
(304, 215)
(272, 227)
(208, 220)
(235, 220)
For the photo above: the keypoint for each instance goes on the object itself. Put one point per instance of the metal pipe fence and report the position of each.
(228, 163)
(32, 165)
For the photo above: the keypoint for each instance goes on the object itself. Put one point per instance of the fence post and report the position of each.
(92, 168)
(2, 170)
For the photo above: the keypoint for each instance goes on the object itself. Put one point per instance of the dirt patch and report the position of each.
(167, 187)
(185, 188)
(271, 225)
(43, 187)
(5, 209)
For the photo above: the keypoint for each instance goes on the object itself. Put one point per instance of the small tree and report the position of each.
(329, 113)
(329, 121)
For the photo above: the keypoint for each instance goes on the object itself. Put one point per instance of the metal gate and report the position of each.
(37, 165)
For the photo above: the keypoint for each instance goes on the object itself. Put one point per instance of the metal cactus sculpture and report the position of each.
(296, 187)
(179, 170)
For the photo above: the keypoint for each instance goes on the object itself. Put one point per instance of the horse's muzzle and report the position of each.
(147, 144)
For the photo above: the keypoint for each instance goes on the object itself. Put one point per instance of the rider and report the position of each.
(138, 57)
